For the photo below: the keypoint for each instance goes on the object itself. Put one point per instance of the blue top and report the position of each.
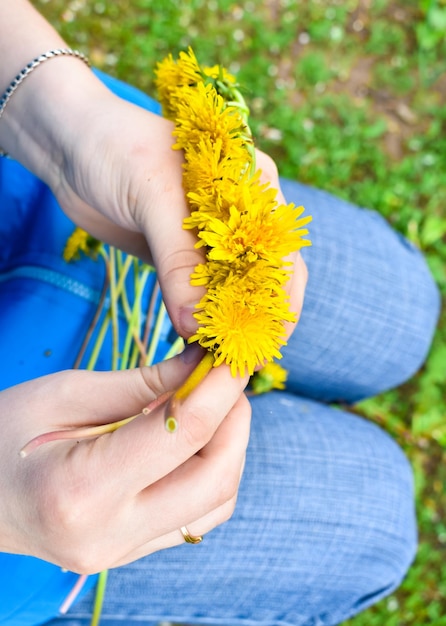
(39, 290)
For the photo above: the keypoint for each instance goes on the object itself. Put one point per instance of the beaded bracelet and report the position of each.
(18, 80)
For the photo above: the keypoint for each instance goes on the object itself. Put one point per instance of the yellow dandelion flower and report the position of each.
(209, 274)
(204, 205)
(221, 73)
(246, 192)
(255, 232)
(172, 76)
(201, 113)
(259, 278)
(239, 335)
(206, 166)
(271, 376)
(263, 284)
(217, 200)
(209, 203)
(246, 233)
(80, 241)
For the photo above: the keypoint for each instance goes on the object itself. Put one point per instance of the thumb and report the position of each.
(75, 398)
(173, 250)
(175, 263)
(111, 396)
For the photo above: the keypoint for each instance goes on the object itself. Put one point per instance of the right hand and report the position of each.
(99, 503)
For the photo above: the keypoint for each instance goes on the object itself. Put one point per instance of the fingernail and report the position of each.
(187, 320)
(192, 353)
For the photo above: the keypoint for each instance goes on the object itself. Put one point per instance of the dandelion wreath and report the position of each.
(246, 233)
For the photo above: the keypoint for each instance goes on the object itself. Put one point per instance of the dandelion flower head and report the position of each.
(244, 231)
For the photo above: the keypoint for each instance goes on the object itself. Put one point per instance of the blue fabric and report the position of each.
(324, 524)
(33, 277)
(370, 306)
(45, 307)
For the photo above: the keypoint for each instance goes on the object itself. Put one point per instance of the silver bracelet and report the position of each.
(18, 80)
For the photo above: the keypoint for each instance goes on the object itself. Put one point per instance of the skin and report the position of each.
(112, 169)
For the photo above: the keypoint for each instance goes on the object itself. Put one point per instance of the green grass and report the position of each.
(350, 97)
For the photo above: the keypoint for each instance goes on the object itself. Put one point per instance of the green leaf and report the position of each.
(432, 230)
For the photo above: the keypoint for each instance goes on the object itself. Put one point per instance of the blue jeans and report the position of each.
(325, 523)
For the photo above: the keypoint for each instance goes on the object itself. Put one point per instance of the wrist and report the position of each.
(45, 112)
(43, 115)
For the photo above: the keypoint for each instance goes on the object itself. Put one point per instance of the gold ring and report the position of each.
(188, 538)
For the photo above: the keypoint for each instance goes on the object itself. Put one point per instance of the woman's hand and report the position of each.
(110, 163)
(95, 504)
(123, 183)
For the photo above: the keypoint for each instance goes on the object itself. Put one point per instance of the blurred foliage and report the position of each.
(348, 96)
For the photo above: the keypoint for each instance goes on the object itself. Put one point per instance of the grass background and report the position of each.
(348, 96)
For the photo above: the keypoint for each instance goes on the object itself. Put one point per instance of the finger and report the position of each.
(200, 527)
(161, 210)
(296, 290)
(82, 398)
(147, 521)
(268, 169)
(126, 452)
(200, 494)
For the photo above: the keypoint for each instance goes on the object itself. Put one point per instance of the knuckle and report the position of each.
(72, 535)
(69, 504)
(152, 380)
(78, 560)
(66, 381)
(228, 509)
(67, 511)
(197, 426)
(176, 263)
(226, 488)
(85, 558)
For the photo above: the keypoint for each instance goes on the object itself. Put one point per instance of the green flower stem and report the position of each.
(139, 289)
(194, 379)
(135, 319)
(99, 598)
(99, 342)
(94, 321)
(239, 103)
(149, 317)
(135, 354)
(84, 432)
(175, 348)
(161, 316)
(114, 309)
(203, 368)
(121, 291)
(123, 269)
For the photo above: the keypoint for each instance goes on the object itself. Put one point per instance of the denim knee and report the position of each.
(371, 304)
(324, 526)
(327, 501)
(374, 533)
(383, 556)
